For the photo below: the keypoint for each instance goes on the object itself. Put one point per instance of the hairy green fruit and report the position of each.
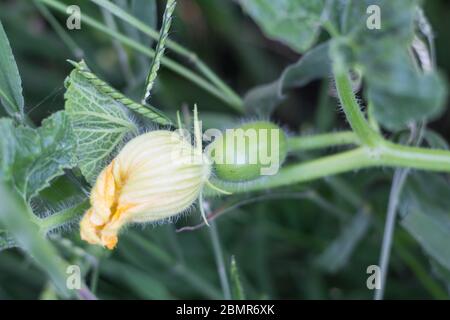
(248, 152)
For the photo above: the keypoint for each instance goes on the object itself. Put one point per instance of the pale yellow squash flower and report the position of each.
(155, 176)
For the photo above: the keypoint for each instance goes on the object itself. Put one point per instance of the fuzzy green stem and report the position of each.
(351, 107)
(62, 218)
(325, 140)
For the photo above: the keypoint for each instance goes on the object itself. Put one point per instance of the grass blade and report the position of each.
(230, 96)
(10, 83)
(160, 48)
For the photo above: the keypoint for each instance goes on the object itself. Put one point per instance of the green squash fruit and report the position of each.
(248, 152)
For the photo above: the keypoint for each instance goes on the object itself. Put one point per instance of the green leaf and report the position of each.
(396, 17)
(339, 252)
(99, 122)
(10, 82)
(236, 285)
(31, 158)
(55, 152)
(312, 66)
(430, 231)
(400, 94)
(425, 214)
(295, 23)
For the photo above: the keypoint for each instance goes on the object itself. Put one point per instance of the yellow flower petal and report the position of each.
(155, 176)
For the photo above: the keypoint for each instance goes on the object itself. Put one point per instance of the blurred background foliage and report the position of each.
(311, 241)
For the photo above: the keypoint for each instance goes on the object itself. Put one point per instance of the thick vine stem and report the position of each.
(386, 154)
(319, 141)
(396, 155)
